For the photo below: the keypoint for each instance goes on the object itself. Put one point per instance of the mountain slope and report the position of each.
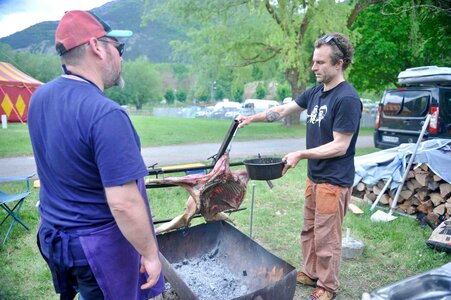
(151, 40)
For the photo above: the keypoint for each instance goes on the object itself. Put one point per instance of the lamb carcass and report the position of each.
(210, 194)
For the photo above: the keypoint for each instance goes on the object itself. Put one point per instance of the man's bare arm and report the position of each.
(271, 115)
(335, 148)
(131, 214)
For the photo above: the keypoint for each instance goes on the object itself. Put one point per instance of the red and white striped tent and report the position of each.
(16, 89)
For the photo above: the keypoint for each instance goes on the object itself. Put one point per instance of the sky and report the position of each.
(17, 15)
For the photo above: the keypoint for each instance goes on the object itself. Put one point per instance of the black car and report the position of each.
(402, 112)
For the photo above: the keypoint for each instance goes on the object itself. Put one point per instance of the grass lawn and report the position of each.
(393, 251)
(158, 131)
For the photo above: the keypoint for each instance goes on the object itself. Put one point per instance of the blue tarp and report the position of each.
(371, 168)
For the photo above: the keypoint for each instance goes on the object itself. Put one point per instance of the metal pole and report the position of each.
(252, 210)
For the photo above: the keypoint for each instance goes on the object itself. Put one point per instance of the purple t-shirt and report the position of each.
(82, 142)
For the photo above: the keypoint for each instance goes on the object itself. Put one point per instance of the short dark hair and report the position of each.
(341, 47)
(74, 56)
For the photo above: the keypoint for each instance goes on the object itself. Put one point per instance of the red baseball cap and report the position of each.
(78, 26)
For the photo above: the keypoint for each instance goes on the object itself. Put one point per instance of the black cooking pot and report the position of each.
(264, 168)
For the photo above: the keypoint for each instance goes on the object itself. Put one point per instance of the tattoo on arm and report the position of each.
(272, 116)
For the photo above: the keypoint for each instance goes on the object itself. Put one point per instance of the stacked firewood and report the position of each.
(423, 192)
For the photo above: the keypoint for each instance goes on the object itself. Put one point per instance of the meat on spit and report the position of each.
(210, 194)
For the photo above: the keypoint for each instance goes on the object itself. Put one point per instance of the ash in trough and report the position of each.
(217, 261)
(210, 277)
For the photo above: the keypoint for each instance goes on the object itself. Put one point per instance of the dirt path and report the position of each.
(183, 154)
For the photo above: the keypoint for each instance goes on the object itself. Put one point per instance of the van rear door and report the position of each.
(445, 112)
(403, 114)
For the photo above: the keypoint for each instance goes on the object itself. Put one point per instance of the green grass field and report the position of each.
(158, 131)
(393, 251)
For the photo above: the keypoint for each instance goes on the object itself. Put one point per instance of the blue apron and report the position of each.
(113, 260)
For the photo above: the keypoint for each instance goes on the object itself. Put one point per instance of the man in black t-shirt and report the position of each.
(333, 118)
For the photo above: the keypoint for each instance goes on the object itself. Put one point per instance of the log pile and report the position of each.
(423, 192)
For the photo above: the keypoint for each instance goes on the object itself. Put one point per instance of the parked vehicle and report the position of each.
(221, 108)
(188, 112)
(402, 111)
(227, 104)
(369, 106)
(254, 106)
(225, 113)
(205, 112)
(232, 113)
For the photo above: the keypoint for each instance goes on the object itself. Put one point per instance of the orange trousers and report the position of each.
(324, 210)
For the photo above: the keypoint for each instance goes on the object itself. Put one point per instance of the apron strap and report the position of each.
(52, 238)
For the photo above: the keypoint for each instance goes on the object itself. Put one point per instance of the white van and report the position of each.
(254, 106)
(226, 104)
(225, 110)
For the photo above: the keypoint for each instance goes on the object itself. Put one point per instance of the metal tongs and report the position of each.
(226, 145)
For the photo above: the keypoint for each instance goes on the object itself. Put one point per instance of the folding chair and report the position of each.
(7, 198)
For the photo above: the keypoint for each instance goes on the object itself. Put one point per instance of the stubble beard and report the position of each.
(120, 82)
(113, 75)
(114, 78)
(324, 79)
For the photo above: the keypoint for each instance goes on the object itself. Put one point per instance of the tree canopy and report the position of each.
(142, 84)
(232, 43)
(239, 34)
(278, 36)
(391, 37)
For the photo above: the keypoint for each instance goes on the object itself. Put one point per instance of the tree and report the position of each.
(218, 93)
(169, 96)
(260, 91)
(283, 91)
(202, 97)
(142, 84)
(180, 96)
(237, 94)
(240, 33)
(43, 67)
(391, 37)
(257, 73)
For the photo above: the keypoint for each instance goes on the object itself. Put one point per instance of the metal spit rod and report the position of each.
(252, 210)
(159, 171)
(228, 211)
(224, 146)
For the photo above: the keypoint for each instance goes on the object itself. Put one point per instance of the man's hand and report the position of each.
(291, 159)
(153, 269)
(243, 120)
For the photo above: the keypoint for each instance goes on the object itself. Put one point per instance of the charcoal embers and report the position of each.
(209, 277)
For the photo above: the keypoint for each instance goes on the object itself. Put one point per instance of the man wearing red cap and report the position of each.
(96, 231)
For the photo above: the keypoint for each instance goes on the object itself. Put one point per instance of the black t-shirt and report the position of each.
(340, 110)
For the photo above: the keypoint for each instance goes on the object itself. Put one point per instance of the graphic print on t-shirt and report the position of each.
(317, 115)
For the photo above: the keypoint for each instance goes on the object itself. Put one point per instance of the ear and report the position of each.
(339, 64)
(95, 48)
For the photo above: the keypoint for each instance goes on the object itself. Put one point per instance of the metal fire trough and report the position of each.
(217, 261)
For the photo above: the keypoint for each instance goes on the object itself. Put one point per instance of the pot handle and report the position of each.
(269, 182)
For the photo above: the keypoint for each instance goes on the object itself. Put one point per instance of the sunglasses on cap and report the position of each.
(331, 38)
(118, 45)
